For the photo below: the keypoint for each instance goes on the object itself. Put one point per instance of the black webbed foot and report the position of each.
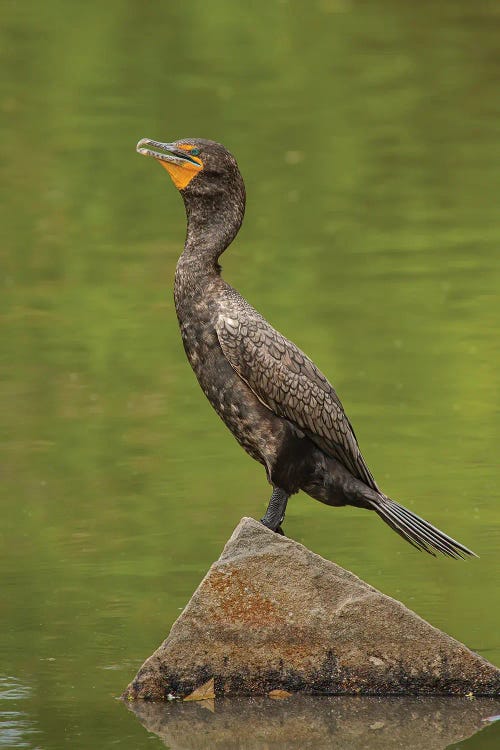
(277, 530)
(275, 512)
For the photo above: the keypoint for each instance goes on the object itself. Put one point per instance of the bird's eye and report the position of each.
(195, 152)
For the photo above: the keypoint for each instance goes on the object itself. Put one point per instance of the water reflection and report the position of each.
(305, 721)
(15, 726)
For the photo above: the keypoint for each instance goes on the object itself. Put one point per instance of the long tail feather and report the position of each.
(418, 532)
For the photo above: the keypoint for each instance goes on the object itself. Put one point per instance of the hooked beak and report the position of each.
(169, 153)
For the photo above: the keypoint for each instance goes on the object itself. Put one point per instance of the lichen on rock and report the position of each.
(272, 615)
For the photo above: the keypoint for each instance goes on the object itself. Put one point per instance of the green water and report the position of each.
(367, 133)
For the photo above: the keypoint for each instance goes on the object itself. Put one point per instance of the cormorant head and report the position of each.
(208, 178)
(196, 166)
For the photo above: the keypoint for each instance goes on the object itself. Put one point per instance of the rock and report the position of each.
(270, 614)
(319, 723)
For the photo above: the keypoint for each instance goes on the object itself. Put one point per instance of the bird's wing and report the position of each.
(286, 381)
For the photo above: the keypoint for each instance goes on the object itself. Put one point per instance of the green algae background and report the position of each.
(368, 137)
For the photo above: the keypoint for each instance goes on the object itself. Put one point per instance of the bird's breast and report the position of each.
(257, 429)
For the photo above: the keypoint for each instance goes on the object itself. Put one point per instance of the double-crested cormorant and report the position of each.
(275, 401)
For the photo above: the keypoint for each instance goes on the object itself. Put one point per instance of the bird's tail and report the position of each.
(418, 532)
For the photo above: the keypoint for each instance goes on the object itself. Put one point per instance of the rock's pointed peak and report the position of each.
(248, 536)
(251, 538)
(271, 614)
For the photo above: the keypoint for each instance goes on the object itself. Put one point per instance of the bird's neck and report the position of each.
(213, 221)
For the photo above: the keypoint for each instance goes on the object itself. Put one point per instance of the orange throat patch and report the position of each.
(182, 175)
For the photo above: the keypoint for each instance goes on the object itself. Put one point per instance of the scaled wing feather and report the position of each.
(288, 382)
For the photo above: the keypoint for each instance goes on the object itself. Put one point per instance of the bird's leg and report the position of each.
(275, 512)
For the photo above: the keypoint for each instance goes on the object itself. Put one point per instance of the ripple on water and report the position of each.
(15, 726)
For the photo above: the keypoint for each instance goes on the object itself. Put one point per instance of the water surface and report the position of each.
(367, 134)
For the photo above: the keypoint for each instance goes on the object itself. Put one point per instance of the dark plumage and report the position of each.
(275, 401)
